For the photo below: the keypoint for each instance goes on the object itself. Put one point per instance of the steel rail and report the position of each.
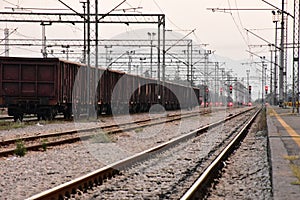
(77, 138)
(196, 191)
(28, 117)
(97, 177)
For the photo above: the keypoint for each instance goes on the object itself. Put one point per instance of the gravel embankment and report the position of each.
(168, 174)
(247, 173)
(22, 177)
(45, 127)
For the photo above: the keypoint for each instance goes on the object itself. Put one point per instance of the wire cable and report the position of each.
(236, 24)
(166, 17)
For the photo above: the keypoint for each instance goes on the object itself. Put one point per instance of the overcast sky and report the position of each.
(223, 31)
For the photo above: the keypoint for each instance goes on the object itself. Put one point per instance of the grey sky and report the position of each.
(224, 32)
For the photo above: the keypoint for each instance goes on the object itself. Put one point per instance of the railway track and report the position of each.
(36, 142)
(130, 165)
(200, 186)
(27, 119)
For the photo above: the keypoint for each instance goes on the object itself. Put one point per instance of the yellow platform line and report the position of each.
(289, 129)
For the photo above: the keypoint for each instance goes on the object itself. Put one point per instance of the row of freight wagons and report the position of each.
(50, 86)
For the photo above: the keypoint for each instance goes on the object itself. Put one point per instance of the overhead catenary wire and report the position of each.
(9, 35)
(17, 5)
(236, 24)
(161, 10)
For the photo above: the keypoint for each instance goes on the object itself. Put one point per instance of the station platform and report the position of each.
(284, 142)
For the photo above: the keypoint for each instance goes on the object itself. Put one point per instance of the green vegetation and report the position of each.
(20, 148)
(296, 172)
(295, 168)
(11, 125)
(7, 125)
(102, 137)
(44, 144)
(138, 130)
(292, 157)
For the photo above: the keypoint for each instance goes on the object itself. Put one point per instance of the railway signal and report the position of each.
(249, 89)
(266, 89)
(230, 89)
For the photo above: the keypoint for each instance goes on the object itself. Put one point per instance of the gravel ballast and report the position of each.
(22, 177)
(247, 171)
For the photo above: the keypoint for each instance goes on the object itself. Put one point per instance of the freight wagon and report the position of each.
(118, 92)
(36, 86)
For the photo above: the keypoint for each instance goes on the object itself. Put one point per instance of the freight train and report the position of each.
(46, 87)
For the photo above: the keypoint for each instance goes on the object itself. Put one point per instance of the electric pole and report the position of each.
(281, 65)
(6, 34)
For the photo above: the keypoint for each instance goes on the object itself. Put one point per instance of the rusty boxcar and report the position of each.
(38, 86)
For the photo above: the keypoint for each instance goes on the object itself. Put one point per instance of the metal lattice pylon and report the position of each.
(285, 58)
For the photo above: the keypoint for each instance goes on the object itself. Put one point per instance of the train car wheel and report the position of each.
(99, 110)
(108, 109)
(67, 115)
(45, 117)
(15, 118)
(67, 112)
(47, 114)
(18, 117)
